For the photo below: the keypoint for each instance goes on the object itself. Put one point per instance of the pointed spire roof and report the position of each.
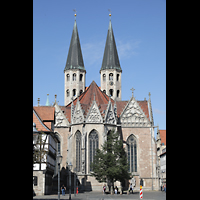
(110, 58)
(75, 58)
(47, 102)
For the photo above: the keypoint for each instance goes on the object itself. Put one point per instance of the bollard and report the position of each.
(141, 193)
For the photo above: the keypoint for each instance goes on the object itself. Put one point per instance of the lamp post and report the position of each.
(69, 168)
(59, 160)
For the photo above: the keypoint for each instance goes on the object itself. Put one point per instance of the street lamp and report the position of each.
(59, 160)
(69, 168)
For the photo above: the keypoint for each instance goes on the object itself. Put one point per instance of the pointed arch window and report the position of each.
(94, 145)
(78, 151)
(111, 77)
(132, 153)
(74, 77)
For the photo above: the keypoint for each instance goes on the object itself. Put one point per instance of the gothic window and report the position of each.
(74, 77)
(117, 77)
(74, 92)
(104, 77)
(78, 151)
(111, 92)
(94, 144)
(111, 77)
(67, 93)
(68, 77)
(132, 153)
(104, 91)
(117, 93)
(81, 77)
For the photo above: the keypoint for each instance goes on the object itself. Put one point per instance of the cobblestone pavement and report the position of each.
(147, 195)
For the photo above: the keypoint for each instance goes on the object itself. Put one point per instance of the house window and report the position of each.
(68, 78)
(74, 77)
(111, 77)
(94, 144)
(132, 153)
(104, 77)
(78, 151)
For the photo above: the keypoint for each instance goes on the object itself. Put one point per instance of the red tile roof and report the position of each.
(102, 100)
(163, 136)
(43, 117)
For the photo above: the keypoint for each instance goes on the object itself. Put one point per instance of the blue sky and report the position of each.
(140, 33)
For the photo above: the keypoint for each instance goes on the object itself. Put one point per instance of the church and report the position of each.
(89, 113)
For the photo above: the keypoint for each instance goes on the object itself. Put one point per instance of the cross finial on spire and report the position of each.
(132, 90)
(149, 94)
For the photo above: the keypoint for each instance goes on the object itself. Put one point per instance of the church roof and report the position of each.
(94, 92)
(110, 58)
(75, 58)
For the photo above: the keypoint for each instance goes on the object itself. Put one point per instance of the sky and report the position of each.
(139, 28)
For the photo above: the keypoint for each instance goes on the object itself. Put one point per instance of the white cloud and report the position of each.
(160, 112)
(127, 49)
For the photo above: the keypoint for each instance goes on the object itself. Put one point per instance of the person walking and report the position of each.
(63, 188)
(104, 188)
(116, 189)
(131, 188)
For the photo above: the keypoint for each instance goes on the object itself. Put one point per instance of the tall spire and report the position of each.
(47, 102)
(110, 58)
(75, 58)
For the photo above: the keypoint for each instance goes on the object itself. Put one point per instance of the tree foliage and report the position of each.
(110, 163)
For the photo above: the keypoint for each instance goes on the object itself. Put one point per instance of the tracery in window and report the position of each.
(132, 153)
(78, 151)
(94, 145)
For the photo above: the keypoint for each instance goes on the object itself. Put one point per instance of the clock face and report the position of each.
(111, 83)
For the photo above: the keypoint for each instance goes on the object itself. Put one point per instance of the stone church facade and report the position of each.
(89, 113)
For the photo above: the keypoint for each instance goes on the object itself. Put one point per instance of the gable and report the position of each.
(94, 115)
(60, 119)
(110, 116)
(133, 115)
(77, 115)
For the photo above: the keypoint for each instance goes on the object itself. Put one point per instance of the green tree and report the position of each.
(110, 163)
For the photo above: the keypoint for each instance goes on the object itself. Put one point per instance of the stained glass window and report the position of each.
(132, 153)
(78, 151)
(94, 144)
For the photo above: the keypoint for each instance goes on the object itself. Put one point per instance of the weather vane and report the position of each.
(109, 12)
(75, 12)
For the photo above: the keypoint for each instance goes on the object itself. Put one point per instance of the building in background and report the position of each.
(161, 156)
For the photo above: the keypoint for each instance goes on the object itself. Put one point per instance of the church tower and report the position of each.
(110, 70)
(74, 69)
